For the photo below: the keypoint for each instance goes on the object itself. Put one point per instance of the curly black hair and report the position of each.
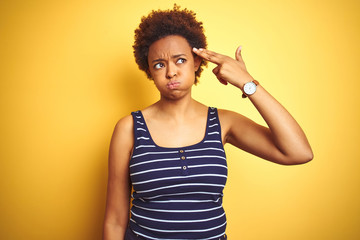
(161, 23)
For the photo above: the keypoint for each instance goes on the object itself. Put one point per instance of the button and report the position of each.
(183, 158)
(181, 151)
(184, 167)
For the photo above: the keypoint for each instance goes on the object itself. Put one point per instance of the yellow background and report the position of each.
(68, 74)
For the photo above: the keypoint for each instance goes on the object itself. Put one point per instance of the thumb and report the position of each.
(238, 53)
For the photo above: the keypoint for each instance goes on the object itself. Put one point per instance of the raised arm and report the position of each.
(283, 142)
(119, 187)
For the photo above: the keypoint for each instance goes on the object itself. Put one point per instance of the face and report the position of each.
(172, 66)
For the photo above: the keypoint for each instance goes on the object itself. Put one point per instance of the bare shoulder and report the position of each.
(231, 122)
(228, 117)
(124, 125)
(223, 113)
(123, 134)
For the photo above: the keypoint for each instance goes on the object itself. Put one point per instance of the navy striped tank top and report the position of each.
(178, 191)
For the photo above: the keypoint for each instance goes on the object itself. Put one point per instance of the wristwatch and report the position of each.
(249, 88)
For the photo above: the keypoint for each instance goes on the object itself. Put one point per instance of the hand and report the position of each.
(228, 70)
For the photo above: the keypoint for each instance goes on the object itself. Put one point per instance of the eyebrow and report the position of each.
(173, 56)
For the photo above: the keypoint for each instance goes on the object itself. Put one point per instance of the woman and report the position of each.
(172, 152)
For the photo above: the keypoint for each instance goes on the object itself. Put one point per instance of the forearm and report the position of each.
(285, 142)
(117, 214)
(113, 231)
(286, 133)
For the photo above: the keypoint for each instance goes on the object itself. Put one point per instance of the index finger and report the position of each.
(208, 55)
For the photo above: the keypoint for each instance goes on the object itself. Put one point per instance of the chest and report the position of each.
(177, 134)
(188, 157)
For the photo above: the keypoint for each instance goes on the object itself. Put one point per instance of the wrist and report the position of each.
(244, 81)
(249, 88)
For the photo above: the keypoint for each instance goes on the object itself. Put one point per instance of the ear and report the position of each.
(197, 62)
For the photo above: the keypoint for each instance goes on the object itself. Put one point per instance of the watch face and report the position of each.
(249, 88)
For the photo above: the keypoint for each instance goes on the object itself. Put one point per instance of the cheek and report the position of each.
(153, 73)
(190, 70)
(159, 74)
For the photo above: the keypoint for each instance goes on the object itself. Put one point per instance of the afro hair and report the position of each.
(161, 23)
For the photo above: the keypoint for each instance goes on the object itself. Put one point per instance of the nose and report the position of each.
(171, 71)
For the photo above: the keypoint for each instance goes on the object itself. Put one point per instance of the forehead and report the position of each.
(169, 45)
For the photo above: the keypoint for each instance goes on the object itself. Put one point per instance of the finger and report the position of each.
(208, 55)
(238, 53)
(222, 80)
(216, 70)
(205, 54)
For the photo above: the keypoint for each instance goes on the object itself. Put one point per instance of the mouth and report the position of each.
(173, 85)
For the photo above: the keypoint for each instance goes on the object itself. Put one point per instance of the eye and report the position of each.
(158, 65)
(181, 60)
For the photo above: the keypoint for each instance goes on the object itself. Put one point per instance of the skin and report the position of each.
(172, 67)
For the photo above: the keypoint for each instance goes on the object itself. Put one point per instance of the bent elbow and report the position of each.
(308, 156)
(304, 158)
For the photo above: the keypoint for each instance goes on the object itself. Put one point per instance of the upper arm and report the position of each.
(249, 136)
(119, 186)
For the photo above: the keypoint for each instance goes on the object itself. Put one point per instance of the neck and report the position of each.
(176, 109)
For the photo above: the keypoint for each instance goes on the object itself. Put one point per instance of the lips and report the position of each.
(173, 85)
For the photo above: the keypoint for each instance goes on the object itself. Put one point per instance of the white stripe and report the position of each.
(178, 211)
(145, 138)
(140, 122)
(208, 141)
(185, 193)
(180, 177)
(214, 125)
(182, 185)
(206, 156)
(141, 129)
(211, 133)
(157, 160)
(144, 146)
(178, 221)
(218, 236)
(147, 153)
(212, 112)
(211, 119)
(185, 201)
(155, 170)
(195, 230)
(202, 149)
(207, 165)
(138, 116)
